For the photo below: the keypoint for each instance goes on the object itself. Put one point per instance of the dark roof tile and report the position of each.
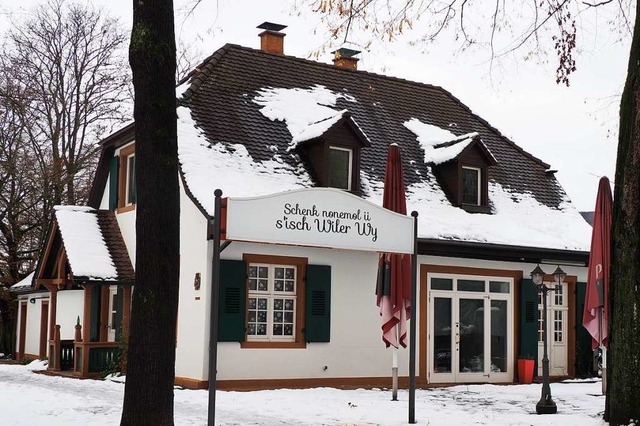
(221, 101)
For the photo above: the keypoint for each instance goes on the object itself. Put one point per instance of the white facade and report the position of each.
(33, 322)
(70, 307)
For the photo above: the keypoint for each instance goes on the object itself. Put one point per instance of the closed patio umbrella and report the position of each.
(393, 289)
(596, 307)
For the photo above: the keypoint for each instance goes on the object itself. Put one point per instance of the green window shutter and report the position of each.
(318, 304)
(94, 332)
(529, 320)
(113, 184)
(584, 354)
(233, 297)
(117, 324)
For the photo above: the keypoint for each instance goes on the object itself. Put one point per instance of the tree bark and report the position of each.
(148, 398)
(623, 361)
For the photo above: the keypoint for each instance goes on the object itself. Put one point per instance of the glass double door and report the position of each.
(469, 338)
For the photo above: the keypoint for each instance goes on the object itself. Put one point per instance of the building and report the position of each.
(256, 122)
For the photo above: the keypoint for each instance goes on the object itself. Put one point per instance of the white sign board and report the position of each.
(318, 217)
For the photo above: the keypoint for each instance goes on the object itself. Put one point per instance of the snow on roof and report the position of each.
(430, 137)
(517, 219)
(24, 283)
(299, 108)
(316, 129)
(83, 241)
(229, 167)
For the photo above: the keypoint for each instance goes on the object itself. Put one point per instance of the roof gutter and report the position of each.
(501, 252)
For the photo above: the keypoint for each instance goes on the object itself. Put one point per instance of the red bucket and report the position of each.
(525, 370)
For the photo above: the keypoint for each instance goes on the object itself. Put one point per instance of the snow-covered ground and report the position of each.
(27, 398)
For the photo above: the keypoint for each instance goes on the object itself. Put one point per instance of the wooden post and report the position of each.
(52, 310)
(78, 335)
(55, 357)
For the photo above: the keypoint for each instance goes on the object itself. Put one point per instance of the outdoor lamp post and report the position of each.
(546, 405)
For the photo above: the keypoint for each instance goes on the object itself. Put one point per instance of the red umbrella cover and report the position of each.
(393, 288)
(596, 305)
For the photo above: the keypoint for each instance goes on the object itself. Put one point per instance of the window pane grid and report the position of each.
(558, 335)
(471, 185)
(271, 304)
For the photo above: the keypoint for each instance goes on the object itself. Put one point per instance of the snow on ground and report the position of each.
(27, 398)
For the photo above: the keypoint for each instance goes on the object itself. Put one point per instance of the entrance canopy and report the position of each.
(317, 217)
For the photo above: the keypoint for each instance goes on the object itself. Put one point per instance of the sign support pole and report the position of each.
(412, 331)
(213, 310)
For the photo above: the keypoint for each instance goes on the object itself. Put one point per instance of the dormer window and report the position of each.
(332, 148)
(472, 185)
(461, 166)
(340, 167)
(122, 180)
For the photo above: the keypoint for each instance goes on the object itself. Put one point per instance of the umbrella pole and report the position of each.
(394, 371)
(603, 350)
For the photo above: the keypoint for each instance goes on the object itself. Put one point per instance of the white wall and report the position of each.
(193, 330)
(356, 348)
(127, 223)
(70, 307)
(32, 337)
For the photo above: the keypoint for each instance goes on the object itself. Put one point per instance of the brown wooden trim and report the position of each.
(53, 311)
(44, 323)
(48, 282)
(47, 250)
(125, 209)
(122, 178)
(23, 331)
(273, 345)
(188, 383)
(425, 269)
(301, 270)
(333, 382)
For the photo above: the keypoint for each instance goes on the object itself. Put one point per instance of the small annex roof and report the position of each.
(24, 284)
(92, 243)
(235, 132)
(84, 243)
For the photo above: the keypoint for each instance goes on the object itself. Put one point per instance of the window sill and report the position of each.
(472, 208)
(273, 345)
(125, 209)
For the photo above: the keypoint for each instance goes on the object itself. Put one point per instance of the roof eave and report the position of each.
(501, 252)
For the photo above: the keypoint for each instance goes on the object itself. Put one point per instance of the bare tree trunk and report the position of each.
(148, 398)
(623, 362)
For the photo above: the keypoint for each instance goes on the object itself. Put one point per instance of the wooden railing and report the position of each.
(66, 355)
(86, 359)
(93, 358)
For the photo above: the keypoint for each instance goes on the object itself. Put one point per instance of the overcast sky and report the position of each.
(573, 129)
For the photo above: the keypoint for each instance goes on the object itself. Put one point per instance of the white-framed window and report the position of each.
(471, 185)
(340, 167)
(271, 308)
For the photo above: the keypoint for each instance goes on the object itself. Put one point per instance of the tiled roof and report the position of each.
(221, 102)
(116, 246)
(23, 285)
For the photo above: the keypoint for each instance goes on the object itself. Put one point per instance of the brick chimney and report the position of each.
(271, 39)
(344, 58)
